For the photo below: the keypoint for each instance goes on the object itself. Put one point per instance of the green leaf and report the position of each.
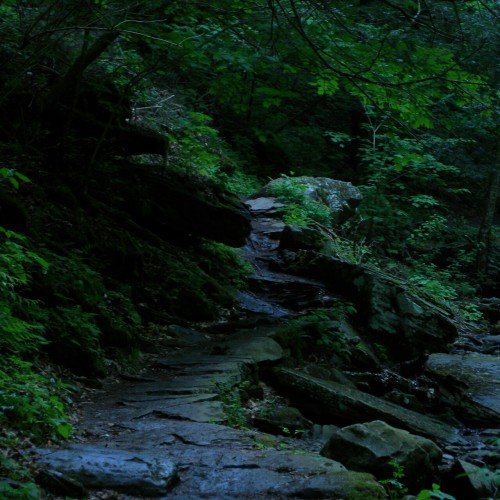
(22, 177)
(64, 430)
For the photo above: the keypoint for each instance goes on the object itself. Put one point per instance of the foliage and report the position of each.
(296, 432)
(348, 249)
(396, 490)
(13, 177)
(195, 145)
(31, 403)
(429, 281)
(299, 209)
(75, 327)
(394, 486)
(185, 288)
(434, 493)
(224, 263)
(119, 320)
(26, 491)
(388, 95)
(232, 85)
(399, 173)
(471, 312)
(318, 333)
(72, 281)
(230, 396)
(407, 220)
(16, 261)
(17, 477)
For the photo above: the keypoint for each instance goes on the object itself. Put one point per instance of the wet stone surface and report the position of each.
(158, 436)
(165, 433)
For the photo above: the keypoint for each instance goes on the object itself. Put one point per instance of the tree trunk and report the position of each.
(70, 81)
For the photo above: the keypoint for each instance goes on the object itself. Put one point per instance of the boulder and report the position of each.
(298, 237)
(258, 349)
(340, 197)
(371, 446)
(100, 467)
(467, 480)
(334, 403)
(470, 385)
(404, 323)
(285, 420)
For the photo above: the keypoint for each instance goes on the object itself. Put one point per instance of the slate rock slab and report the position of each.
(222, 463)
(472, 384)
(268, 205)
(249, 302)
(338, 404)
(100, 467)
(471, 481)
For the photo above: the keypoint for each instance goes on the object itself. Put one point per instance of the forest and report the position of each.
(132, 131)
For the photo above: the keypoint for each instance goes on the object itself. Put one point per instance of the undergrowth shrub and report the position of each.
(11, 488)
(16, 263)
(224, 263)
(196, 283)
(186, 290)
(118, 319)
(69, 281)
(75, 327)
(318, 334)
(299, 208)
(396, 489)
(195, 145)
(232, 403)
(33, 404)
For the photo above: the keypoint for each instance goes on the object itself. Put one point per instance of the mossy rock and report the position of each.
(285, 420)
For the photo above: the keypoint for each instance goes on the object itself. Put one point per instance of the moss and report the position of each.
(359, 486)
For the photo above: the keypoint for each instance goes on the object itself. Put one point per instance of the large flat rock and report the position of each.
(223, 463)
(338, 404)
(213, 461)
(140, 429)
(472, 384)
(134, 472)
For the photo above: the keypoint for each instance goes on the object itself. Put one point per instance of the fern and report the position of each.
(17, 336)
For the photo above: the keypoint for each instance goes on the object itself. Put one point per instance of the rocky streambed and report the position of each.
(224, 412)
